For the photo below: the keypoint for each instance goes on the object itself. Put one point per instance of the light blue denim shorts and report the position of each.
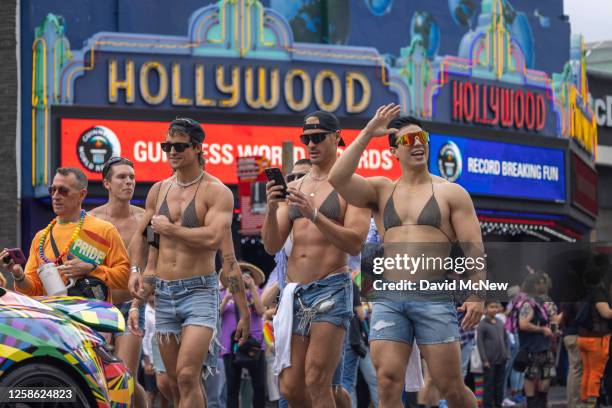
(327, 300)
(188, 302)
(429, 322)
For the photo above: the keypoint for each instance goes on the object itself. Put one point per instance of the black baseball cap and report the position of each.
(190, 127)
(327, 121)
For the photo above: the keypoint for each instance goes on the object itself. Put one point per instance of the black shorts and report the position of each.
(541, 366)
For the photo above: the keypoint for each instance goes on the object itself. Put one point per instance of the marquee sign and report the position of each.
(239, 56)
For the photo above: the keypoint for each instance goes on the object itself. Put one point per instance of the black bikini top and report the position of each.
(330, 208)
(430, 214)
(190, 217)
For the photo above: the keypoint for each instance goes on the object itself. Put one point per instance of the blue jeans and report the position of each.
(429, 322)
(369, 375)
(349, 372)
(327, 300)
(466, 352)
(516, 378)
(213, 385)
(184, 302)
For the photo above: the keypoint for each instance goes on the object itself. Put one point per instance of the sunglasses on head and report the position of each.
(316, 138)
(294, 176)
(409, 138)
(115, 160)
(61, 190)
(178, 147)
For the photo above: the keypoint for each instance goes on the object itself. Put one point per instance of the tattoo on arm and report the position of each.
(525, 311)
(230, 259)
(234, 286)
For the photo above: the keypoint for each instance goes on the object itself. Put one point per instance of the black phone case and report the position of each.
(275, 175)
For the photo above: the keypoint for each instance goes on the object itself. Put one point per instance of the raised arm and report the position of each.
(347, 237)
(355, 189)
(276, 226)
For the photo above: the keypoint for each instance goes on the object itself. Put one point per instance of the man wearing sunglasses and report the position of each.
(119, 179)
(418, 209)
(85, 246)
(191, 212)
(325, 230)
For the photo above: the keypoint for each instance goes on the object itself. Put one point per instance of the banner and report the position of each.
(499, 169)
(89, 143)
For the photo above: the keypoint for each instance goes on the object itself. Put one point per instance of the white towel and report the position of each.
(283, 324)
(414, 373)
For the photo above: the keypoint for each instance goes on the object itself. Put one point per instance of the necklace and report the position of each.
(318, 180)
(189, 183)
(73, 238)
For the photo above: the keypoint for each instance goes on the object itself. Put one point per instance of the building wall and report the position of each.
(9, 203)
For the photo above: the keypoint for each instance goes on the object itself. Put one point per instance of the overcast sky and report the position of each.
(591, 18)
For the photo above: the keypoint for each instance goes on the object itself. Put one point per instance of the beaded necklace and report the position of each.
(73, 238)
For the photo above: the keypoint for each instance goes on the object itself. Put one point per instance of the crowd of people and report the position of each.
(302, 335)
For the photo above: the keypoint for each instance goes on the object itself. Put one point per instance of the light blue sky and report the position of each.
(591, 18)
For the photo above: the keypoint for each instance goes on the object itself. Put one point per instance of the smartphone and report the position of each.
(276, 175)
(16, 256)
(151, 236)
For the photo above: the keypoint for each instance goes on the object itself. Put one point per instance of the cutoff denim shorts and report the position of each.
(184, 302)
(335, 289)
(429, 322)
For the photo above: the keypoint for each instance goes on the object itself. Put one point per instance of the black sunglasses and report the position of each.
(61, 190)
(179, 147)
(115, 160)
(316, 138)
(294, 176)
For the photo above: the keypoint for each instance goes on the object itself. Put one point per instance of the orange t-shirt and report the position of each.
(98, 243)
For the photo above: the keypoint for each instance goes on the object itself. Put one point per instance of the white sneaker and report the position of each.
(508, 403)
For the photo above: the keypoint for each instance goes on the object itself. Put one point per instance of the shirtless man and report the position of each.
(417, 208)
(192, 214)
(119, 179)
(325, 230)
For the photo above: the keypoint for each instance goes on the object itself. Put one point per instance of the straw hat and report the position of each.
(256, 273)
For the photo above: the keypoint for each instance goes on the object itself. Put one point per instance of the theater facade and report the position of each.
(500, 85)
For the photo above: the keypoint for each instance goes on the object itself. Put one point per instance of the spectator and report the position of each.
(594, 331)
(535, 333)
(253, 277)
(81, 246)
(569, 311)
(492, 346)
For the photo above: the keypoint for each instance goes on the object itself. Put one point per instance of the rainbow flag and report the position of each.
(268, 333)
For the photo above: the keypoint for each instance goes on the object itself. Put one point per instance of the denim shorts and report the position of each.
(429, 322)
(311, 300)
(158, 363)
(124, 308)
(188, 302)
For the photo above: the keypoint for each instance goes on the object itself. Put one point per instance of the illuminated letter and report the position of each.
(306, 89)
(351, 106)
(177, 99)
(201, 99)
(232, 88)
(162, 74)
(114, 84)
(262, 88)
(336, 90)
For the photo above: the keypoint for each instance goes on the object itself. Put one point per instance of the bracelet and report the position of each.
(134, 269)
(132, 309)
(314, 216)
(23, 276)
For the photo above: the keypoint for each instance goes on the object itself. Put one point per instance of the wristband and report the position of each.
(314, 216)
(133, 308)
(16, 279)
(134, 269)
